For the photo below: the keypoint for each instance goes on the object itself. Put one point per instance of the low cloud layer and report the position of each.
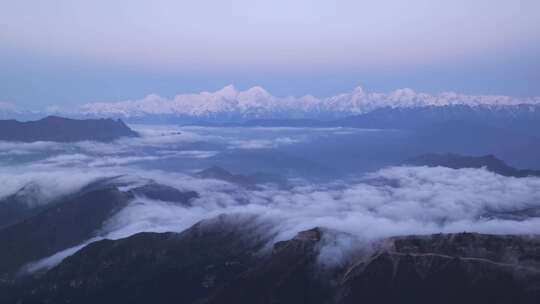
(166, 140)
(387, 202)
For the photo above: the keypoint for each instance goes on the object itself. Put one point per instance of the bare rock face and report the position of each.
(451, 268)
(228, 260)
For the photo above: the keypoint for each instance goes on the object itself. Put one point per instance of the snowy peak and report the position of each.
(258, 102)
(257, 93)
(228, 92)
(359, 91)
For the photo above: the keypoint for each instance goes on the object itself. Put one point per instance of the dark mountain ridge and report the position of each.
(519, 117)
(59, 129)
(219, 173)
(456, 161)
(249, 181)
(41, 231)
(61, 226)
(224, 260)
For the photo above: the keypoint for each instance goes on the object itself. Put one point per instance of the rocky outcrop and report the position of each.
(454, 268)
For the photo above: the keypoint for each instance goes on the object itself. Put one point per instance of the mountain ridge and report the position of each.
(456, 161)
(220, 261)
(257, 102)
(60, 129)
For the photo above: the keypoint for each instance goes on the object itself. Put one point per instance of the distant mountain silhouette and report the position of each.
(54, 128)
(165, 193)
(522, 118)
(220, 261)
(248, 181)
(286, 123)
(455, 161)
(216, 172)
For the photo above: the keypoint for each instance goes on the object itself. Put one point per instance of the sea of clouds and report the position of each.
(398, 200)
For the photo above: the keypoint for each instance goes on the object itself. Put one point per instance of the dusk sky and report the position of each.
(72, 52)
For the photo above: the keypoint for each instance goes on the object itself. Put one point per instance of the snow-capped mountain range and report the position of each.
(230, 104)
(257, 102)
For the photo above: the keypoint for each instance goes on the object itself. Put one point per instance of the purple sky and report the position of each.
(72, 52)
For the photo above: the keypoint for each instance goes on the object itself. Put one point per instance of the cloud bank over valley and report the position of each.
(366, 206)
